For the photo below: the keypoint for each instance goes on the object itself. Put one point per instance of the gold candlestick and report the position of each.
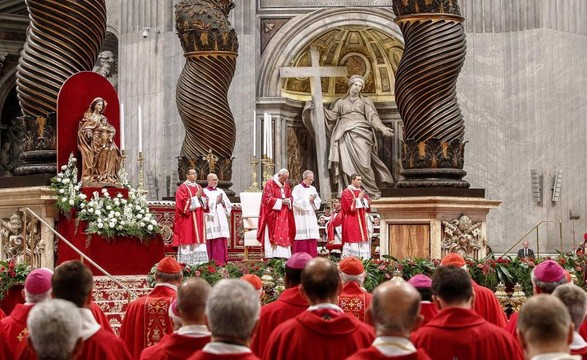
(268, 169)
(255, 185)
(141, 182)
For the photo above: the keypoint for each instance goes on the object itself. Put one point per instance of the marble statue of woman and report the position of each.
(352, 123)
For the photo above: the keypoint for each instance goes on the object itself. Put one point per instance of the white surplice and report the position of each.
(217, 217)
(305, 212)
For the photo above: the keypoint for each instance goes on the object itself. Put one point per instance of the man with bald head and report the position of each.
(193, 334)
(324, 322)
(394, 313)
(545, 328)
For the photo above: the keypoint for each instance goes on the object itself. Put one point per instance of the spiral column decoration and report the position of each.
(210, 47)
(425, 93)
(63, 38)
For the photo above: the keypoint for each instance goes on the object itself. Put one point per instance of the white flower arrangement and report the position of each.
(105, 216)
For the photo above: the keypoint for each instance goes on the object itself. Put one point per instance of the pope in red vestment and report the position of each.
(189, 224)
(276, 216)
(311, 335)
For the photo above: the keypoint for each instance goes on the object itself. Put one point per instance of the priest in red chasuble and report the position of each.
(394, 313)
(290, 303)
(356, 206)
(485, 303)
(277, 228)
(323, 331)
(353, 298)
(189, 230)
(458, 332)
(147, 320)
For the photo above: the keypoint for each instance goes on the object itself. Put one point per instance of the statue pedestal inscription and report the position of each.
(433, 226)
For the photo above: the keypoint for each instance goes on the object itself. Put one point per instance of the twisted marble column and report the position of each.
(210, 47)
(425, 92)
(63, 38)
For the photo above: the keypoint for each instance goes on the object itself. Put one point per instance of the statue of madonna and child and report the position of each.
(101, 157)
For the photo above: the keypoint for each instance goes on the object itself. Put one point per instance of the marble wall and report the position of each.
(521, 91)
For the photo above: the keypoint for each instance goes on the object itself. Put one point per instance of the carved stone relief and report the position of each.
(462, 236)
(22, 240)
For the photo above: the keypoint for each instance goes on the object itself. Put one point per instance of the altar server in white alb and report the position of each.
(306, 202)
(217, 229)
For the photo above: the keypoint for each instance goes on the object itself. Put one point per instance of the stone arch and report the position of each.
(300, 30)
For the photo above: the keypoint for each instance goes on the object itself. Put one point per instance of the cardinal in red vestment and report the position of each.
(290, 303)
(353, 298)
(324, 322)
(356, 205)
(37, 288)
(277, 228)
(458, 332)
(394, 315)
(146, 320)
(193, 333)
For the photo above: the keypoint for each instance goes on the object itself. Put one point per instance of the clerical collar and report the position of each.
(353, 188)
(189, 183)
(211, 188)
(394, 345)
(194, 331)
(304, 185)
(167, 285)
(219, 347)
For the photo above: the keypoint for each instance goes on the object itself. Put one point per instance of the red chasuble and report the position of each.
(147, 320)
(280, 224)
(457, 333)
(354, 223)
(100, 317)
(5, 353)
(428, 310)
(2, 314)
(189, 227)
(333, 223)
(175, 347)
(102, 345)
(512, 324)
(14, 325)
(373, 354)
(200, 355)
(309, 336)
(289, 304)
(487, 305)
(354, 300)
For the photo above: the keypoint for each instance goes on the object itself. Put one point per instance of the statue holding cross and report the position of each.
(345, 135)
(351, 124)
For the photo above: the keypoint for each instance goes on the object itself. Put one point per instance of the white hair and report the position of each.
(346, 278)
(307, 173)
(283, 172)
(54, 328)
(36, 298)
(232, 309)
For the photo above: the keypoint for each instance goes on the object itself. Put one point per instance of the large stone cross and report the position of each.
(315, 72)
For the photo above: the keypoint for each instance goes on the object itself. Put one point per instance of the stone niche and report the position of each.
(433, 226)
(23, 236)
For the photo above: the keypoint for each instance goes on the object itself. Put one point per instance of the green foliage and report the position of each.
(12, 274)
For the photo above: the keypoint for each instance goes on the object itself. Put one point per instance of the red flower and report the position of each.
(211, 269)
